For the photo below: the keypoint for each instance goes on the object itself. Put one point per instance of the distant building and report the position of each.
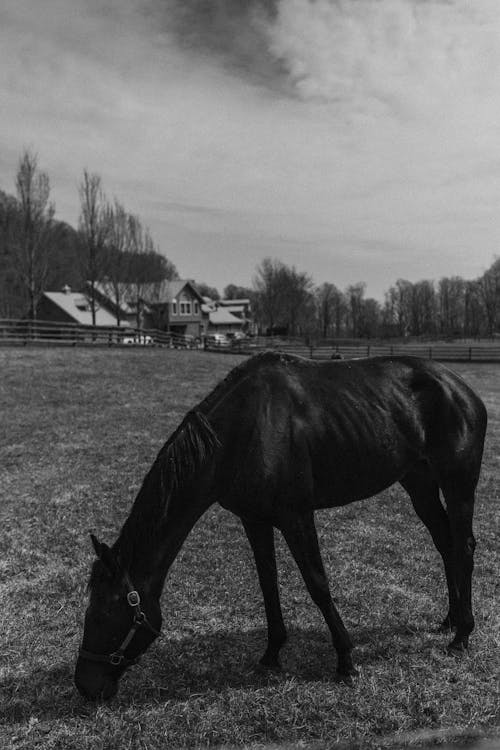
(174, 306)
(67, 306)
(181, 305)
(228, 315)
(238, 307)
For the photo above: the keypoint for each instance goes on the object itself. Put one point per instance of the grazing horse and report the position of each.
(276, 440)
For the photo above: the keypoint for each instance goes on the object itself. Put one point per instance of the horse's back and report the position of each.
(339, 431)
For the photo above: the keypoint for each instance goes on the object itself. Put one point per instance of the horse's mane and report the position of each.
(179, 461)
(235, 376)
(186, 451)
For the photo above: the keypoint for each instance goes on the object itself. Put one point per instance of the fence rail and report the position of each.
(40, 333)
(28, 332)
(486, 352)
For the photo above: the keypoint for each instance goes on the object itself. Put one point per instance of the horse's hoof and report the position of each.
(346, 678)
(263, 667)
(457, 650)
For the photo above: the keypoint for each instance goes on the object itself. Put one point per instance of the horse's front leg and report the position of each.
(261, 538)
(300, 534)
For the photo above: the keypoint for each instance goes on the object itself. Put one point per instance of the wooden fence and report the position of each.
(44, 333)
(40, 333)
(444, 352)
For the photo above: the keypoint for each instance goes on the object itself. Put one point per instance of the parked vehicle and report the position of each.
(235, 336)
(140, 339)
(217, 341)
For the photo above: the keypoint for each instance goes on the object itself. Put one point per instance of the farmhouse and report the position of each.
(175, 306)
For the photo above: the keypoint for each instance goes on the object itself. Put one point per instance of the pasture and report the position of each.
(78, 431)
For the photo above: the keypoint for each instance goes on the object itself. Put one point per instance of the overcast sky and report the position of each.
(358, 140)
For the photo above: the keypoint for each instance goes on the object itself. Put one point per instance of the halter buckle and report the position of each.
(133, 598)
(139, 618)
(115, 659)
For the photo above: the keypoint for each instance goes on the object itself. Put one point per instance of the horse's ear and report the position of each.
(96, 545)
(104, 554)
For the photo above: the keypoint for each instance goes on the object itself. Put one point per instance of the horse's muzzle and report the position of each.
(94, 683)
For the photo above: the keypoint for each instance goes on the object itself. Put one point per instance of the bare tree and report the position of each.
(149, 269)
(489, 287)
(423, 308)
(207, 291)
(269, 298)
(94, 227)
(474, 315)
(397, 311)
(116, 265)
(451, 296)
(331, 309)
(355, 296)
(370, 318)
(283, 297)
(233, 291)
(28, 226)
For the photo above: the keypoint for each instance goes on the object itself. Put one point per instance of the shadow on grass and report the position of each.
(200, 664)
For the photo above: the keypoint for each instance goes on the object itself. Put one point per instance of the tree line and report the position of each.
(287, 301)
(112, 250)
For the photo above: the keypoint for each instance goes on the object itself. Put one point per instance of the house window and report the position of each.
(185, 308)
(196, 308)
(174, 308)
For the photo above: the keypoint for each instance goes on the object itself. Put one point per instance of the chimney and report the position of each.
(66, 289)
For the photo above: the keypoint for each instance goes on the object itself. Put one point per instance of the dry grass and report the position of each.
(78, 431)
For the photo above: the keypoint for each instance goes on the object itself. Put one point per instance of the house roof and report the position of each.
(77, 306)
(153, 294)
(126, 306)
(223, 317)
(171, 289)
(234, 302)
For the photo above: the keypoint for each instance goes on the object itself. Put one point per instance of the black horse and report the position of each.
(279, 438)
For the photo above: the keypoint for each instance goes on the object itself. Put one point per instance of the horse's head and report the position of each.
(120, 623)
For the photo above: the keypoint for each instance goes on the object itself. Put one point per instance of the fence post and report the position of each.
(470, 353)
(368, 350)
(430, 352)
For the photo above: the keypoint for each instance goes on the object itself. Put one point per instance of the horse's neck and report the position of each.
(153, 535)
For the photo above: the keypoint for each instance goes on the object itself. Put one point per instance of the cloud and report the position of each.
(234, 33)
(244, 128)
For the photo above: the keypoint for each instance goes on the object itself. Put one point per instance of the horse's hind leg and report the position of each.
(261, 538)
(424, 494)
(459, 496)
(300, 534)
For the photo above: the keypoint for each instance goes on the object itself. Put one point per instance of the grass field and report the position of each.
(78, 430)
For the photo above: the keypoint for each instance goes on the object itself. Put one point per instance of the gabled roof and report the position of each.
(234, 302)
(127, 307)
(153, 294)
(223, 317)
(77, 306)
(170, 290)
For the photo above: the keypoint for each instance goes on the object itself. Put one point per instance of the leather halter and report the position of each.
(118, 658)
